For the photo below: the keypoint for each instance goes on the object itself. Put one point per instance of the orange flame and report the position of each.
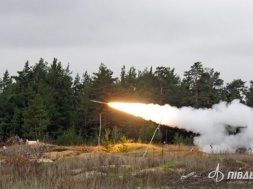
(153, 112)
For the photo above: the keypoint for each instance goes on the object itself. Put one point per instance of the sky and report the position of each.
(134, 33)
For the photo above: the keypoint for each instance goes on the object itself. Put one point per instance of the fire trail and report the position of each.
(223, 128)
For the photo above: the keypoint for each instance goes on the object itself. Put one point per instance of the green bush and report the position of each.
(107, 143)
(69, 137)
(123, 141)
(147, 133)
(116, 135)
(180, 140)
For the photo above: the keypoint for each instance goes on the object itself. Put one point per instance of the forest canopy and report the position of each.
(45, 102)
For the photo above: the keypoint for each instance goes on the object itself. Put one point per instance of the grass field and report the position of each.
(118, 166)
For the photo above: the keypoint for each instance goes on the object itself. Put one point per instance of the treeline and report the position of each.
(44, 101)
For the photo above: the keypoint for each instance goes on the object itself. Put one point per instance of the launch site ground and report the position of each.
(119, 166)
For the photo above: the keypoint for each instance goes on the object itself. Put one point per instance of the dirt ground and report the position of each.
(129, 165)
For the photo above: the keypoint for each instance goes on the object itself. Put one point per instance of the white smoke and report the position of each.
(211, 124)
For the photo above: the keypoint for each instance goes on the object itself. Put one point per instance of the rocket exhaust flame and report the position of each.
(211, 123)
(151, 112)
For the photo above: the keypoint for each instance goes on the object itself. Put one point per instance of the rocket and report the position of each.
(100, 102)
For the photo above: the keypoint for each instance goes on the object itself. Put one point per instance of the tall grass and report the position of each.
(99, 170)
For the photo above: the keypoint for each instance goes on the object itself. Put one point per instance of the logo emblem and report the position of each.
(216, 174)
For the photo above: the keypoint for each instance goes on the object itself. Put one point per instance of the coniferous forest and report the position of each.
(45, 102)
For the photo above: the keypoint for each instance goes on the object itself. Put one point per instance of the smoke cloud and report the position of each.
(223, 128)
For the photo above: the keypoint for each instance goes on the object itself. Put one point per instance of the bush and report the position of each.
(123, 141)
(147, 133)
(180, 140)
(107, 143)
(70, 137)
(116, 135)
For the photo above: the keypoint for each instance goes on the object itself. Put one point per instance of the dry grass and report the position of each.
(94, 167)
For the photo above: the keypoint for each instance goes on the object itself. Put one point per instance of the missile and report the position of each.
(100, 102)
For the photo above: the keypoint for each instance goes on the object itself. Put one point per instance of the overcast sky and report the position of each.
(139, 33)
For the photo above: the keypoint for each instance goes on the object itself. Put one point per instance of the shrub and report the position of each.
(116, 135)
(123, 141)
(69, 137)
(180, 140)
(21, 166)
(107, 143)
(147, 133)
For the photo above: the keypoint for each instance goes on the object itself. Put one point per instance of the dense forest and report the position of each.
(44, 101)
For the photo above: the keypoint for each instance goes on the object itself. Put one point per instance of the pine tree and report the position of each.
(127, 85)
(59, 81)
(146, 87)
(36, 119)
(84, 118)
(103, 84)
(210, 90)
(169, 86)
(201, 87)
(192, 85)
(7, 81)
(249, 95)
(235, 90)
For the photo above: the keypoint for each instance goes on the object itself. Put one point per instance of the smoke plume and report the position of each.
(223, 128)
